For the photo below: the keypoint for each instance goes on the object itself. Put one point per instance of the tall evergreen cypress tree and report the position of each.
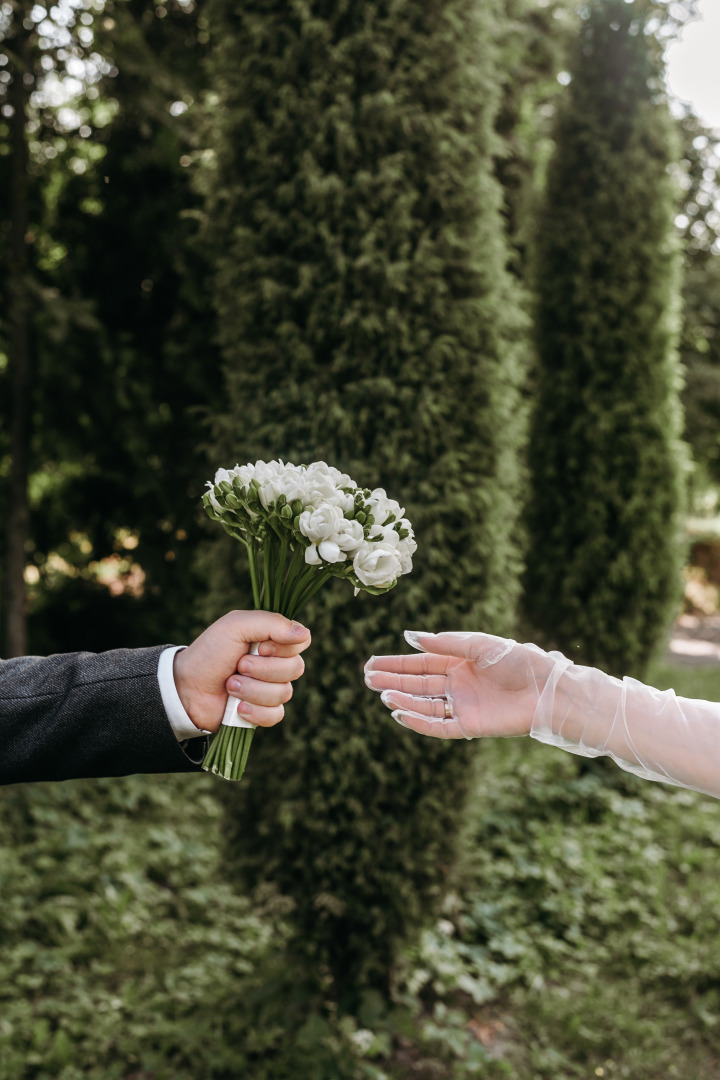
(606, 460)
(367, 319)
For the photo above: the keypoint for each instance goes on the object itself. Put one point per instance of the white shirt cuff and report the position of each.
(180, 722)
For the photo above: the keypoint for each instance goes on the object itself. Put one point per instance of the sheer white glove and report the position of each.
(470, 685)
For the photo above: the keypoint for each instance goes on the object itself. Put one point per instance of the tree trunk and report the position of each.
(20, 357)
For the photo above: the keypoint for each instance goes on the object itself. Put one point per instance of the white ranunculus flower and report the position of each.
(406, 550)
(381, 507)
(330, 552)
(216, 505)
(390, 535)
(320, 524)
(243, 473)
(222, 474)
(266, 471)
(349, 536)
(293, 489)
(376, 564)
(320, 492)
(270, 490)
(378, 504)
(344, 501)
(324, 472)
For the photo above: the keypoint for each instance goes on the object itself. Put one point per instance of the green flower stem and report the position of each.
(279, 574)
(252, 557)
(296, 563)
(299, 585)
(267, 571)
(283, 584)
(228, 752)
(320, 578)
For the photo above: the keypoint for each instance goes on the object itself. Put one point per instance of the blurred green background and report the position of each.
(464, 250)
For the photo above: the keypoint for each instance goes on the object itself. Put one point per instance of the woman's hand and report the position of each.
(462, 685)
(219, 663)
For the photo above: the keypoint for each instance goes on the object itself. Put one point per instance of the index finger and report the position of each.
(244, 627)
(410, 664)
(272, 648)
(481, 648)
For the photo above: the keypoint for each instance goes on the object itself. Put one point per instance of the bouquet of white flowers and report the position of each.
(302, 525)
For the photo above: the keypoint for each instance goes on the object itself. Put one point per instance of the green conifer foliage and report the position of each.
(605, 456)
(366, 319)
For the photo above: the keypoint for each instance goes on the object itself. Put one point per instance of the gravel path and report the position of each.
(696, 640)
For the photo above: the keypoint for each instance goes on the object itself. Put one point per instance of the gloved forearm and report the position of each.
(652, 733)
(469, 685)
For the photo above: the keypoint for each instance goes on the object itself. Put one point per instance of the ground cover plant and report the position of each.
(580, 935)
(583, 937)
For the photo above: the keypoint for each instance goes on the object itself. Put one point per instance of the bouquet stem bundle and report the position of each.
(279, 583)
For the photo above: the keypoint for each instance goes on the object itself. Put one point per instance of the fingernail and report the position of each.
(246, 664)
(244, 707)
(234, 686)
(269, 650)
(397, 717)
(368, 680)
(386, 698)
(298, 629)
(413, 638)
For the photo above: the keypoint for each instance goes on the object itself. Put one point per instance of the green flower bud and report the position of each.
(297, 507)
(232, 501)
(237, 486)
(225, 487)
(361, 517)
(286, 512)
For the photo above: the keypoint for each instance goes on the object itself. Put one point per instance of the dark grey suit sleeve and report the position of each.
(87, 714)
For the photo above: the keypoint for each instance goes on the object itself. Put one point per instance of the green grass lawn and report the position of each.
(688, 680)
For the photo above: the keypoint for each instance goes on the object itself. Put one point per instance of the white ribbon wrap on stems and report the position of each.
(230, 716)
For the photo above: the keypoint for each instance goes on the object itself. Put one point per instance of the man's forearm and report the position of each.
(86, 714)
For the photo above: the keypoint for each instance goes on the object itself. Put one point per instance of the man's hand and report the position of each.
(218, 663)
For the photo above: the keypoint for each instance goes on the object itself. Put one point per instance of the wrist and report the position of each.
(192, 698)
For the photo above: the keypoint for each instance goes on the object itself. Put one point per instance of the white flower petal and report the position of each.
(311, 556)
(330, 552)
